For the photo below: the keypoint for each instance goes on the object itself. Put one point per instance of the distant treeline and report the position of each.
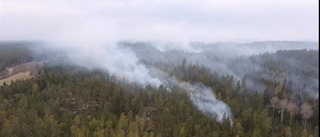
(14, 53)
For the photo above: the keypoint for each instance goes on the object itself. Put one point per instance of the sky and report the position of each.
(160, 20)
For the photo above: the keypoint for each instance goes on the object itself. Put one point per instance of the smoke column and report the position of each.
(123, 63)
(205, 101)
(93, 43)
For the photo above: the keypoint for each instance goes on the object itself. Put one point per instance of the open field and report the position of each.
(18, 76)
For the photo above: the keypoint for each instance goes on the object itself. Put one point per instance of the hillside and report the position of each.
(67, 99)
(297, 69)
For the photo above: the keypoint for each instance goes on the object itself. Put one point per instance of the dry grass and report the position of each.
(19, 76)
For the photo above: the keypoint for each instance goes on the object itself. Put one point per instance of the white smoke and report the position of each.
(91, 42)
(201, 96)
(123, 63)
(117, 61)
(205, 101)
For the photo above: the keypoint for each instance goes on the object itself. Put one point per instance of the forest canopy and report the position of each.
(69, 100)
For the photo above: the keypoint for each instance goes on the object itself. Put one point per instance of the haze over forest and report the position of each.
(160, 68)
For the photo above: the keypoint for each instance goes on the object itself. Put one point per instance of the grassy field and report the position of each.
(19, 76)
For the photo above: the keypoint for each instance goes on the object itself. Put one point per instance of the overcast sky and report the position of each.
(163, 20)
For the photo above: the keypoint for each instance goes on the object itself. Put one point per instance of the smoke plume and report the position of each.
(205, 101)
(123, 63)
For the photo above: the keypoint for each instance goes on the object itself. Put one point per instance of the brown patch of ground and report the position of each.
(21, 72)
(15, 77)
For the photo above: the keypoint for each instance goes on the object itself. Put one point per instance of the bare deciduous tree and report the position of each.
(306, 112)
(292, 109)
(283, 105)
(274, 104)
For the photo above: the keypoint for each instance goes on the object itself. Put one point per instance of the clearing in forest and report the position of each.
(15, 77)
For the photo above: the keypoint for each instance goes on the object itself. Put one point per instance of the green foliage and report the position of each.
(70, 101)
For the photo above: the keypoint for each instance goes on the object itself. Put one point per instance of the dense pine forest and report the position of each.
(68, 100)
(14, 53)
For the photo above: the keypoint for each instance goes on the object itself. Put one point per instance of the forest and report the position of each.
(71, 100)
